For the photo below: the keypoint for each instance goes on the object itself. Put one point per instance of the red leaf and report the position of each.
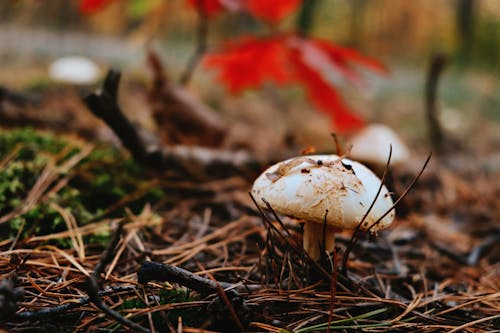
(250, 62)
(89, 7)
(272, 11)
(214, 7)
(344, 57)
(322, 94)
(210, 7)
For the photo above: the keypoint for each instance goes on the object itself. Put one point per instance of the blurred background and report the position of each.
(404, 35)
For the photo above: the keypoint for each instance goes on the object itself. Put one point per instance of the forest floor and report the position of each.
(80, 220)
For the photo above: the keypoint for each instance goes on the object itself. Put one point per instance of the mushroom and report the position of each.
(74, 70)
(371, 146)
(319, 189)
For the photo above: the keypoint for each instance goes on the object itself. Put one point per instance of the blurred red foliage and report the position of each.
(249, 62)
(89, 7)
(270, 11)
(209, 7)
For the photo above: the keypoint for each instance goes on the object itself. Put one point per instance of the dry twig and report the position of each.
(147, 149)
(201, 42)
(437, 65)
(92, 285)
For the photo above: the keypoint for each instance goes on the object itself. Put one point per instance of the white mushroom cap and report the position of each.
(306, 187)
(74, 70)
(372, 144)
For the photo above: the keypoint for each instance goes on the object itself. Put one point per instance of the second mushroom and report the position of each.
(319, 189)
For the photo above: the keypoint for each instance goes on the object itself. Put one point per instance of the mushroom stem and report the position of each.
(313, 239)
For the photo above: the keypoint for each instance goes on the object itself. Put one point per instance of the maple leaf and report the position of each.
(249, 63)
(286, 59)
(89, 7)
(271, 11)
(322, 94)
(344, 59)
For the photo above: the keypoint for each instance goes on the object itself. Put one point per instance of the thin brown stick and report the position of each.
(222, 294)
(472, 323)
(276, 216)
(437, 65)
(304, 256)
(108, 254)
(148, 149)
(333, 289)
(401, 197)
(201, 43)
(105, 106)
(358, 227)
(155, 271)
(410, 186)
(289, 240)
(338, 147)
(92, 285)
(66, 307)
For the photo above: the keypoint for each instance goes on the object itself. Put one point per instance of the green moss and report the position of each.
(190, 316)
(102, 179)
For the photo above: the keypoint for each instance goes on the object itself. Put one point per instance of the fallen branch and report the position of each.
(16, 98)
(155, 271)
(147, 149)
(229, 298)
(105, 106)
(180, 117)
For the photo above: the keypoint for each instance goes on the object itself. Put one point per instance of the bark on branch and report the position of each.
(147, 149)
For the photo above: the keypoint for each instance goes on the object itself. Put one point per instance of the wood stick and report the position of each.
(438, 63)
(147, 149)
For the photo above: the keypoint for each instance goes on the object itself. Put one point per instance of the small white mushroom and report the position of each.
(371, 145)
(74, 70)
(321, 188)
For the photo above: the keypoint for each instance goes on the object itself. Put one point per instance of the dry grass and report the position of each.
(402, 281)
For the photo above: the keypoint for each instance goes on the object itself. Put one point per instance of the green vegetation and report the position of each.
(36, 175)
(190, 316)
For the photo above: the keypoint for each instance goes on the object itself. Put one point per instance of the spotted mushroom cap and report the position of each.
(305, 187)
